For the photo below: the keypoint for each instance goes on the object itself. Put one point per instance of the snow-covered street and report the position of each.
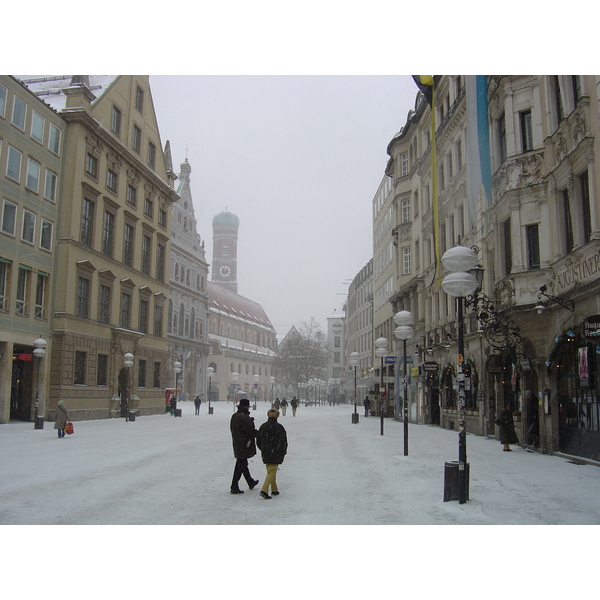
(162, 470)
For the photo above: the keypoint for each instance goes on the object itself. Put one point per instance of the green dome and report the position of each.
(225, 219)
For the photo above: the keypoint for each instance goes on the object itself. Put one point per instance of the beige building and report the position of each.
(113, 249)
(32, 137)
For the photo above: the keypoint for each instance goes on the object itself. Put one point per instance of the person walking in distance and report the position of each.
(62, 416)
(294, 405)
(243, 434)
(197, 403)
(284, 405)
(367, 404)
(508, 435)
(272, 442)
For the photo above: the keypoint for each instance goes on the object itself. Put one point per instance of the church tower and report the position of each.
(225, 236)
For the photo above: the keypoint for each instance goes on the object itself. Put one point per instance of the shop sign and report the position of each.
(390, 360)
(525, 364)
(431, 365)
(494, 364)
(578, 273)
(591, 327)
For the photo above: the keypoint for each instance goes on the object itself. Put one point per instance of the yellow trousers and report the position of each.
(270, 479)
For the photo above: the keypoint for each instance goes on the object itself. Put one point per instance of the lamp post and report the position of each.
(255, 391)
(234, 379)
(39, 352)
(128, 363)
(210, 372)
(354, 359)
(459, 283)
(404, 331)
(177, 370)
(272, 391)
(381, 350)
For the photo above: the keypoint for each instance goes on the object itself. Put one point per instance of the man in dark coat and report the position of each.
(294, 405)
(197, 403)
(507, 428)
(243, 433)
(272, 442)
(367, 404)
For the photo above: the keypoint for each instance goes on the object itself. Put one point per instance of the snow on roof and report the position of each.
(50, 88)
(232, 344)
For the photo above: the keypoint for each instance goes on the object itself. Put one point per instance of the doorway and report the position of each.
(21, 389)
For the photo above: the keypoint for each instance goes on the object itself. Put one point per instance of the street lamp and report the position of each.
(459, 283)
(39, 352)
(210, 372)
(128, 363)
(272, 391)
(404, 331)
(354, 359)
(255, 391)
(381, 350)
(177, 370)
(234, 379)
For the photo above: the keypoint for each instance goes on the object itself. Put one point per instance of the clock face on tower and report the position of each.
(225, 271)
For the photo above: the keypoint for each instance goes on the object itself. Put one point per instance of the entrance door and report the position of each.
(123, 382)
(434, 406)
(21, 390)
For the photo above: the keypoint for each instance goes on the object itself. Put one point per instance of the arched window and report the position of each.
(181, 318)
(176, 271)
(193, 323)
(170, 316)
(187, 326)
(187, 277)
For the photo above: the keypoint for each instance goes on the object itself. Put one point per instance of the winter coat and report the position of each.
(276, 404)
(62, 416)
(507, 428)
(294, 403)
(197, 401)
(284, 402)
(243, 433)
(272, 441)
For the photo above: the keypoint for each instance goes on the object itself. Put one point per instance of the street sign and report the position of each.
(390, 360)
(431, 366)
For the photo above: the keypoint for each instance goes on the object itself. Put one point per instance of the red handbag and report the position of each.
(69, 428)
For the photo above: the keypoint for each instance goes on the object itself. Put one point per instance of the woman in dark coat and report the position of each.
(272, 442)
(507, 428)
(60, 421)
(243, 434)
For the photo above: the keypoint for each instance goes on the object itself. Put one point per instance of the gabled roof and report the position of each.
(234, 306)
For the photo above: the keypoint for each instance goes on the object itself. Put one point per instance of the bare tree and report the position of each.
(302, 355)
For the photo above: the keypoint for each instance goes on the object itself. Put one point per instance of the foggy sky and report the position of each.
(298, 159)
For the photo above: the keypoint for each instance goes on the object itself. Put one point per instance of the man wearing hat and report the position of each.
(243, 434)
(272, 442)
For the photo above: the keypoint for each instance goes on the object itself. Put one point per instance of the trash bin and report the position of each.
(210, 410)
(131, 415)
(451, 470)
(39, 422)
(177, 412)
(354, 418)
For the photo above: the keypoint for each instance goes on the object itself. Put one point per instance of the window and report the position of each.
(404, 164)
(449, 166)
(136, 140)
(501, 125)
(91, 164)
(33, 175)
(46, 235)
(83, 294)
(156, 377)
(151, 154)
(37, 127)
(406, 261)
(125, 310)
(22, 290)
(533, 246)
(160, 262)
(441, 179)
(131, 195)
(585, 206)
(115, 122)
(4, 279)
(507, 247)
(576, 83)
(54, 139)
(162, 217)
(50, 186)
(128, 245)
(28, 230)
(459, 156)
(3, 95)
(557, 99)
(526, 131)
(108, 229)
(144, 316)
(141, 373)
(13, 164)
(87, 222)
(111, 180)
(102, 371)
(146, 250)
(18, 113)
(40, 296)
(568, 222)
(158, 319)
(148, 207)
(80, 362)
(405, 210)
(139, 99)
(9, 217)
(104, 304)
